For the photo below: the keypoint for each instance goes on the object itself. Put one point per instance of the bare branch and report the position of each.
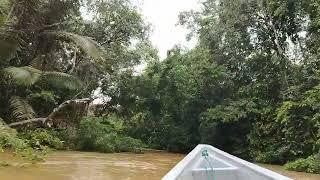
(42, 120)
(48, 120)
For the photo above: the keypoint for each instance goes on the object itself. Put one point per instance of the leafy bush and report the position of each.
(9, 140)
(66, 135)
(310, 165)
(105, 135)
(41, 139)
(44, 102)
(113, 142)
(160, 132)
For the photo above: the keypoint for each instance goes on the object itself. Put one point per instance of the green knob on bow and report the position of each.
(205, 153)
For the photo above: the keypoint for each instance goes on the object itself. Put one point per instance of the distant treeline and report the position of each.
(250, 87)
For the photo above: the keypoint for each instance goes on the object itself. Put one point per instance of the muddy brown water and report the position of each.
(64, 165)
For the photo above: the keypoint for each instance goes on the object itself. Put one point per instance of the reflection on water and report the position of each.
(96, 166)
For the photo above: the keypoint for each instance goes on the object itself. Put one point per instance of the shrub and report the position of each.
(310, 165)
(9, 140)
(66, 135)
(113, 142)
(105, 135)
(44, 102)
(41, 139)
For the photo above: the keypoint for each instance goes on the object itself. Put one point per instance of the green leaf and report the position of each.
(9, 43)
(62, 80)
(87, 45)
(27, 76)
(21, 108)
(24, 76)
(2, 20)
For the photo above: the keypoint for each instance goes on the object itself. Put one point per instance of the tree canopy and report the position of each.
(249, 87)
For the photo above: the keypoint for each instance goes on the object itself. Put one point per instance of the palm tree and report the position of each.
(26, 42)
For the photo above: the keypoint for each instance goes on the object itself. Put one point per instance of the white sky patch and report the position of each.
(163, 15)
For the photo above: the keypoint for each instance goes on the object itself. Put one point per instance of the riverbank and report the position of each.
(71, 165)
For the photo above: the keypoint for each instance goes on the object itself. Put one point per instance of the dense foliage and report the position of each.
(42, 139)
(9, 140)
(53, 51)
(105, 135)
(250, 87)
(54, 54)
(310, 164)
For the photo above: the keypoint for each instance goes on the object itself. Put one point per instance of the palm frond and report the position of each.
(9, 43)
(9, 39)
(21, 109)
(87, 45)
(24, 76)
(2, 19)
(4, 6)
(27, 76)
(63, 80)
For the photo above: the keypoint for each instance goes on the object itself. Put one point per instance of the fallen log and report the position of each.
(48, 121)
(36, 120)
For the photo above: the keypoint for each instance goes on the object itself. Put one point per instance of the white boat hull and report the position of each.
(208, 163)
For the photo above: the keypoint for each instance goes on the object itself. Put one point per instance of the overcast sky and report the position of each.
(163, 15)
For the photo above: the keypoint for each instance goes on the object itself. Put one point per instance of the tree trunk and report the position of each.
(48, 121)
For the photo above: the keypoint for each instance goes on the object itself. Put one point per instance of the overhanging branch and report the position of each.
(46, 121)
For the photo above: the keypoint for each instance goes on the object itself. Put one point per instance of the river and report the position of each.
(70, 165)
